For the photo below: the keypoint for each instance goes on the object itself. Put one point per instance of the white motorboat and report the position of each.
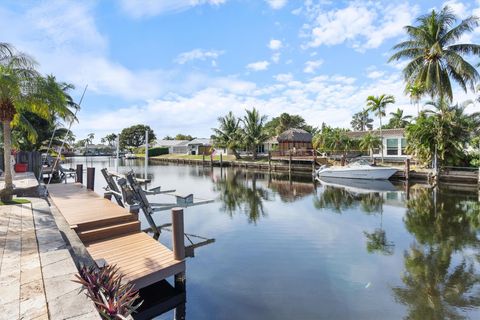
(357, 170)
(130, 156)
(358, 185)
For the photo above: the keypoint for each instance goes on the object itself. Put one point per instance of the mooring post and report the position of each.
(90, 178)
(178, 234)
(79, 174)
(479, 178)
(178, 244)
(313, 161)
(407, 169)
(221, 160)
(269, 161)
(290, 161)
(203, 159)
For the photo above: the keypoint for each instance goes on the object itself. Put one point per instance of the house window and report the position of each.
(404, 145)
(261, 148)
(392, 147)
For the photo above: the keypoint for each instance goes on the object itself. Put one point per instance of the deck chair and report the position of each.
(66, 173)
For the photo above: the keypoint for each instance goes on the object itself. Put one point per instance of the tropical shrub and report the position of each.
(112, 299)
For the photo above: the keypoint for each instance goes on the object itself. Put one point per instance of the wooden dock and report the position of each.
(110, 232)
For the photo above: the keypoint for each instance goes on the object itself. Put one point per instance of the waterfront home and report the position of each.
(174, 146)
(199, 146)
(393, 141)
(95, 149)
(296, 140)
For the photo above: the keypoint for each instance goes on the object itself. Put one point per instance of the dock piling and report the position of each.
(221, 160)
(178, 234)
(79, 174)
(290, 162)
(91, 178)
(407, 169)
(178, 244)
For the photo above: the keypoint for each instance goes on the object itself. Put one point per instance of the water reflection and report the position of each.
(441, 280)
(337, 250)
(239, 191)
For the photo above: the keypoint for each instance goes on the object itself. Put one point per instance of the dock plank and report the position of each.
(140, 258)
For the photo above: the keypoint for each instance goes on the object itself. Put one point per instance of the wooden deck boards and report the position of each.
(141, 259)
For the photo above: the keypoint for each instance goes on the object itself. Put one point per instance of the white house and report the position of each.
(199, 146)
(393, 141)
(174, 146)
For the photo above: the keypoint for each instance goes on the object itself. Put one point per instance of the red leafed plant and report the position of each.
(113, 299)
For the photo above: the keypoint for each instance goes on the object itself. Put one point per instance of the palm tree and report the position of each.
(398, 120)
(377, 105)
(415, 92)
(370, 142)
(444, 130)
(253, 130)
(435, 56)
(228, 134)
(361, 121)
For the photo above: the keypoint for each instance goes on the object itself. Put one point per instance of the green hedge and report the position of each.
(157, 151)
(152, 152)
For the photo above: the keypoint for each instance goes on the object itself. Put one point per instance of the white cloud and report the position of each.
(375, 74)
(312, 66)
(198, 54)
(275, 44)
(276, 4)
(284, 77)
(149, 8)
(361, 25)
(258, 66)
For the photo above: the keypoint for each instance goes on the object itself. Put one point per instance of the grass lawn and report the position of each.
(14, 201)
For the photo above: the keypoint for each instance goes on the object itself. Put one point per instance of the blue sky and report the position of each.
(177, 65)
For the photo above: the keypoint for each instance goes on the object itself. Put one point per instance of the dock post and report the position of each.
(221, 160)
(203, 159)
(178, 244)
(90, 178)
(79, 174)
(211, 159)
(269, 161)
(407, 169)
(290, 162)
(313, 161)
(479, 178)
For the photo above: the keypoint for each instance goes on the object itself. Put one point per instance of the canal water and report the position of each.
(293, 249)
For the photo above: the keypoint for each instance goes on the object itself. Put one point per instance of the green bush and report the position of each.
(157, 151)
(152, 152)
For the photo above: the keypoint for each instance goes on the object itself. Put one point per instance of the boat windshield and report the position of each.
(361, 162)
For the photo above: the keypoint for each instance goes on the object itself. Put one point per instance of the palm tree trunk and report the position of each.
(381, 137)
(7, 193)
(235, 153)
(254, 152)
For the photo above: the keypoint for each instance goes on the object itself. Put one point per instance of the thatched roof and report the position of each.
(295, 135)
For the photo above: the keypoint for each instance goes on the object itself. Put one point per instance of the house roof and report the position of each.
(297, 135)
(202, 142)
(385, 132)
(170, 143)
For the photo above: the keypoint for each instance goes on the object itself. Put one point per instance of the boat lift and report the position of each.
(127, 190)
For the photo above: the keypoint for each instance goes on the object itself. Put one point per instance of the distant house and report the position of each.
(294, 140)
(96, 149)
(393, 141)
(199, 146)
(174, 146)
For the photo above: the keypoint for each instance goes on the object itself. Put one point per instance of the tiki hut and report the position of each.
(294, 139)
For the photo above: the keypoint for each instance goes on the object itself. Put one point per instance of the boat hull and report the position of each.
(353, 173)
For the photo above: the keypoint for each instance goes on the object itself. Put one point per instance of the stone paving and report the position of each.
(36, 268)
